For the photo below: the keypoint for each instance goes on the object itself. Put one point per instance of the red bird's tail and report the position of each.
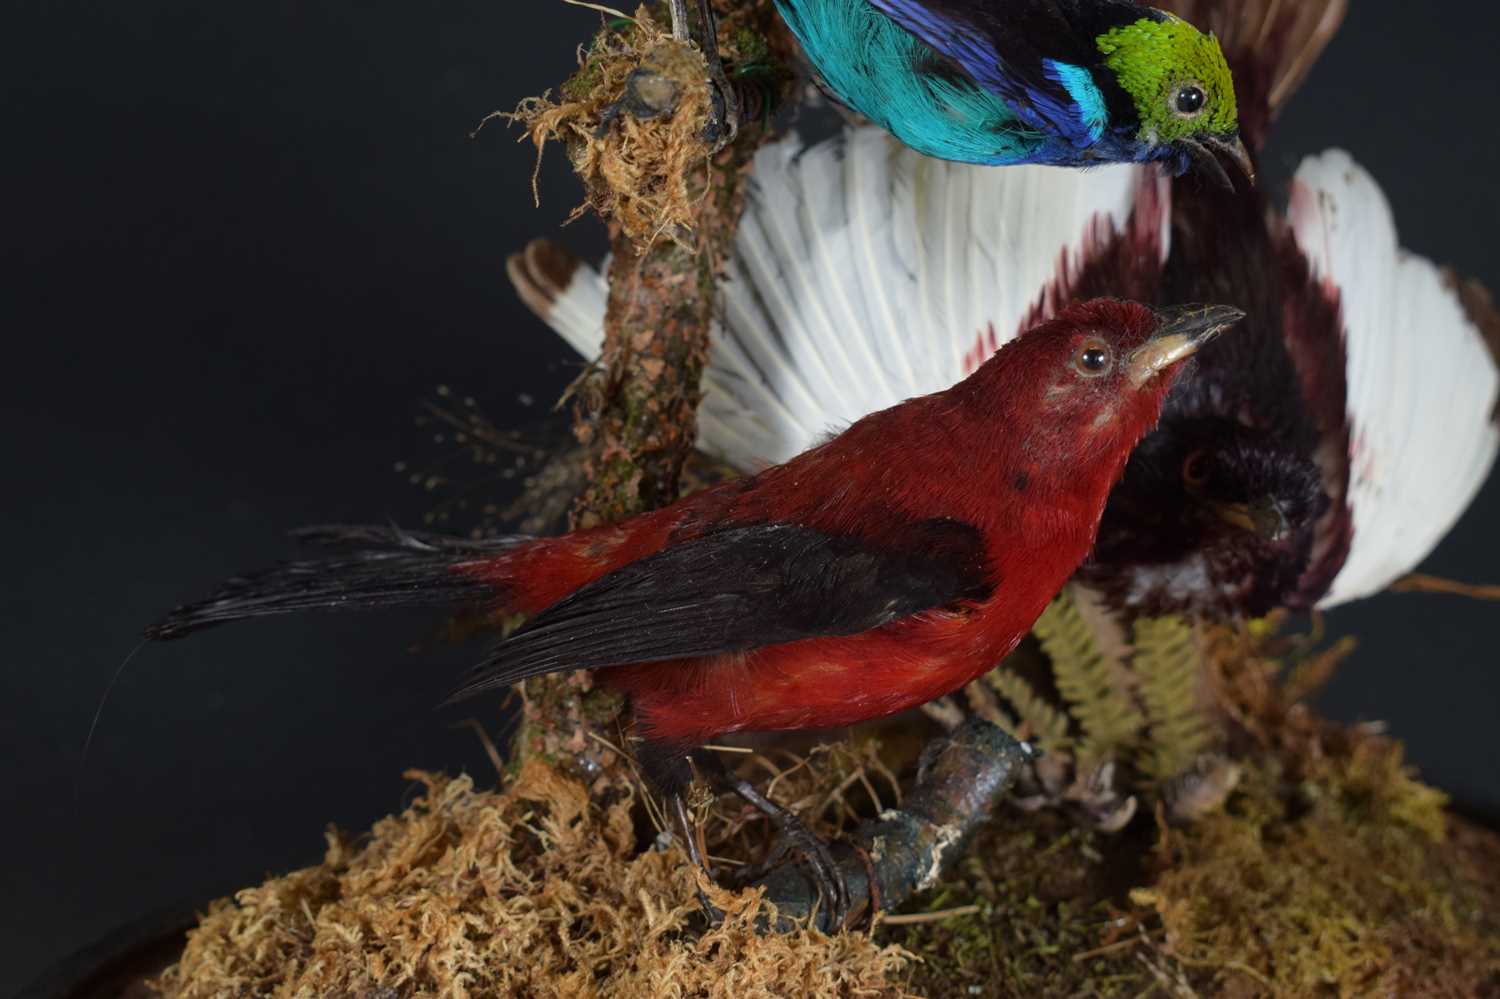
(376, 567)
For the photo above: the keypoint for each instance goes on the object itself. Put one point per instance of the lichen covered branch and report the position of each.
(638, 409)
(904, 851)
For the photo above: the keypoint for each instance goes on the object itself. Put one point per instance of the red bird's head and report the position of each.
(1090, 383)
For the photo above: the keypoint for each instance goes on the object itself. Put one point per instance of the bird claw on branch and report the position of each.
(724, 120)
(904, 851)
(794, 839)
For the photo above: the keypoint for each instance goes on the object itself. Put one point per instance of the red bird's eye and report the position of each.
(1093, 359)
(1195, 469)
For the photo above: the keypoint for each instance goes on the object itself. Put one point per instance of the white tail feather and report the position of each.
(864, 274)
(1422, 382)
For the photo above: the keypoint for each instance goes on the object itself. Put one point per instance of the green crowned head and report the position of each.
(1176, 75)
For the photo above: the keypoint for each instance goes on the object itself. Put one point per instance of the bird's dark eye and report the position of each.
(1093, 359)
(1195, 469)
(1189, 100)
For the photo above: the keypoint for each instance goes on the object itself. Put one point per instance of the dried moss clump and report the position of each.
(632, 117)
(532, 890)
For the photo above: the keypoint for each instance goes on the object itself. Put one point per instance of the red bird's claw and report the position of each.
(833, 889)
(711, 912)
(793, 837)
(792, 834)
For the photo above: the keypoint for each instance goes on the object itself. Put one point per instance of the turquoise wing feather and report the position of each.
(878, 68)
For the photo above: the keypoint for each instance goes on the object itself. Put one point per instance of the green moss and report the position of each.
(1044, 892)
(751, 46)
(1329, 869)
(602, 705)
(1340, 884)
(583, 83)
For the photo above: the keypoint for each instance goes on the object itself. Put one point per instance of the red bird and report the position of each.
(875, 572)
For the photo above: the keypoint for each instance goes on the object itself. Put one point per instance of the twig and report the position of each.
(917, 918)
(490, 749)
(1417, 582)
(602, 9)
(1118, 945)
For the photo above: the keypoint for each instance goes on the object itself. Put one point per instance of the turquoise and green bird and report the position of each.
(1000, 82)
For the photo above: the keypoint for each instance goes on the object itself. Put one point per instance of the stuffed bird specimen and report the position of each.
(1311, 459)
(877, 571)
(1002, 82)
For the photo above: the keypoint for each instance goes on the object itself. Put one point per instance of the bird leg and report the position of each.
(724, 123)
(692, 840)
(668, 768)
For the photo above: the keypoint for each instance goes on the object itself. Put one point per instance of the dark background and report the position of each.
(243, 241)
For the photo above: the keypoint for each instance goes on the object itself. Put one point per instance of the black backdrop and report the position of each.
(242, 241)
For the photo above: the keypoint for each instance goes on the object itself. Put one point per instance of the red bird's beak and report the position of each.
(1183, 329)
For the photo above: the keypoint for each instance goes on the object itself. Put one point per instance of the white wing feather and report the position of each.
(864, 274)
(1422, 383)
(577, 312)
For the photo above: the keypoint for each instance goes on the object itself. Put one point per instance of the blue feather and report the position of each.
(871, 63)
(1087, 109)
(956, 100)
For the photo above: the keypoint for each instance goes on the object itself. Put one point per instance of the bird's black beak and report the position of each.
(1183, 329)
(1263, 518)
(1207, 153)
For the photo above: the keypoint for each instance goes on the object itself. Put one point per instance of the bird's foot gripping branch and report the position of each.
(902, 852)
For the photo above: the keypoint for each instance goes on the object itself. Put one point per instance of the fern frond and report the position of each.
(984, 703)
(1048, 726)
(1094, 685)
(1166, 665)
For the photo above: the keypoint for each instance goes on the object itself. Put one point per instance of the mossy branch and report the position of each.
(633, 121)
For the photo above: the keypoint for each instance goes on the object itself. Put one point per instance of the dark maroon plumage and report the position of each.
(1224, 509)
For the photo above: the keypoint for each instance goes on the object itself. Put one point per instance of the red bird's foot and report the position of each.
(793, 836)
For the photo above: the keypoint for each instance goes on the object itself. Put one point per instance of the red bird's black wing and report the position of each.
(743, 588)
